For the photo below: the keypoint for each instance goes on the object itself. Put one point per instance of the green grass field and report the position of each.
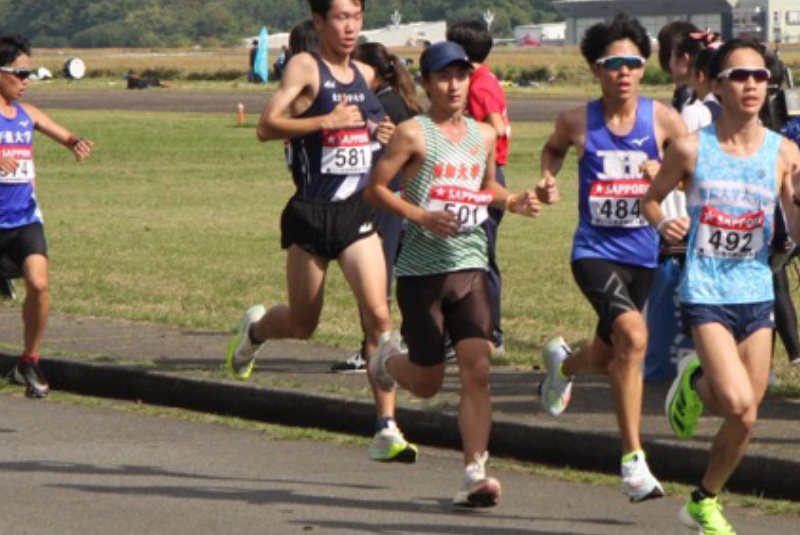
(175, 219)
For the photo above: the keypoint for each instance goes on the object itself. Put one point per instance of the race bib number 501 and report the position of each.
(470, 207)
(617, 203)
(725, 236)
(25, 171)
(346, 152)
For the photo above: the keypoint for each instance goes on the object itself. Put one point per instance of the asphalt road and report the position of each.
(170, 100)
(77, 470)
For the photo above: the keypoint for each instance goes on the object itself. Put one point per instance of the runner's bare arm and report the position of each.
(406, 144)
(299, 76)
(678, 167)
(789, 162)
(669, 126)
(498, 123)
(79, 147)
(555, 150)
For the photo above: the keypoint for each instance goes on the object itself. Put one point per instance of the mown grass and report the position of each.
(175, 219)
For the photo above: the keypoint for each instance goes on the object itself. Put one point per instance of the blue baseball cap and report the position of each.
(439, 55)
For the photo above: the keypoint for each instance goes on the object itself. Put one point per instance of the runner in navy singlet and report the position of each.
(22, 242)
(336, 124)
(619, 140)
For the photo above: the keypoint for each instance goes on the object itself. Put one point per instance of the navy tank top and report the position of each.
(333, 165)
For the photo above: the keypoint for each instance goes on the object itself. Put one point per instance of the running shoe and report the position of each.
(684, 406)
(389, 344)
(389, 445)
(638, 483)
(355, 363)
(7, 290)
(28, 374)
(706, 517)
(241, 352)
(477, 490)
(556, 390)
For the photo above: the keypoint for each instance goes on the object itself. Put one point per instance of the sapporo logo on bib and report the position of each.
(470, 207)
(722, 235)
(25, 171)
(618, 203)
(346, 152)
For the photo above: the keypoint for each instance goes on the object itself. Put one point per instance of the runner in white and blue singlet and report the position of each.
(324, 105)
(23, 249)
(734, 173)
(619, 140)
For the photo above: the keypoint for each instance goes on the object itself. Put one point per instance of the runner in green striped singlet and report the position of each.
(448, 168)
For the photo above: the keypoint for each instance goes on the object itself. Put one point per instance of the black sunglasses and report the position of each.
(741, 74)
(22, 74)
(615, 63)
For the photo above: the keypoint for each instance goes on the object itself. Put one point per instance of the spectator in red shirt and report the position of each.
(487, 103)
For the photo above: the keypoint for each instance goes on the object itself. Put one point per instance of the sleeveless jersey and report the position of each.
(611, 224)
(332, 165)
(18, 206)
(732, 205)
(450, 179)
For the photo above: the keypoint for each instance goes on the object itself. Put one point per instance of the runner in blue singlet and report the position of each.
(22, 242)
(619, 140)
(734, 173)
(324, 105)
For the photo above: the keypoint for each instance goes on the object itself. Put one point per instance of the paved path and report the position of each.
(71, 470)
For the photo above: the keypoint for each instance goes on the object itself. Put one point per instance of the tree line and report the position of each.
(186, 23)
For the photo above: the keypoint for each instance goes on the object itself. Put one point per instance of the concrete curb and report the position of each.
(577, 448)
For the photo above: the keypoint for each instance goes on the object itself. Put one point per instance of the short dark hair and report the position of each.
(474, 36)
(321, 7)
(598, 37)
(668, 36)
(12, 47)
(303, 37)
(718, 61)
(702, 60)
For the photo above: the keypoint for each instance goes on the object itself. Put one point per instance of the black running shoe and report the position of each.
(27, 373)
(355, 363)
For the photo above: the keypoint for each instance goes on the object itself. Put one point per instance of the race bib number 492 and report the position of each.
(617, 203)
(25, 171)
(346, 152)
(722, 235)
(470, 207)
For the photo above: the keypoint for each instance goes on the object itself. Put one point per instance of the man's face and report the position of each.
(740, 90)
(620, 82)
(340, 29)
(12, 86)
(448, 88)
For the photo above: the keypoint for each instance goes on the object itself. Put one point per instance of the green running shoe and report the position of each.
(684, 406)
(389, 446)
(706, 517)
(241, 353)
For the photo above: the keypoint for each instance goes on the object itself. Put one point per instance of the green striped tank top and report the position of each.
(454, 171)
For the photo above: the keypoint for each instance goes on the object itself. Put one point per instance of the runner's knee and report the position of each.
(632, 340)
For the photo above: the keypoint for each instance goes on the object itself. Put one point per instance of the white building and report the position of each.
(546, 33)
(771, 20)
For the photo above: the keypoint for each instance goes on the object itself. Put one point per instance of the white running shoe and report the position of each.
(389, 344)
(241, 353)
(477, 490)
(638, 483)
(556, 390)
(389, 445)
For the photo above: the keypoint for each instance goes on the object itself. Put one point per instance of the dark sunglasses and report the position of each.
(22, 74)
(615, 63)
(741, 74)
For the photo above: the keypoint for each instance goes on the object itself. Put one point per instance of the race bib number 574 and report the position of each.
(346, 152)
(25, 170)
(725, 236)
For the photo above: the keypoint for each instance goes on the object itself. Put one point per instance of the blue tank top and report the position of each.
(732, 205)
(18, 206)
(332, 165)
(611, 224)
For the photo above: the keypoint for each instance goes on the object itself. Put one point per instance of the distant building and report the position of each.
(552, 33)
(770, 20)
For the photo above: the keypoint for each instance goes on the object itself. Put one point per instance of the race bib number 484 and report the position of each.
(346, 152)
(617, 203)
(469, 207)
(25, 171)
(722, 235)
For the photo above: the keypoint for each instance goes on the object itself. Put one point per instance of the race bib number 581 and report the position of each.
(346, 152)
(725, 236)
(617, 203)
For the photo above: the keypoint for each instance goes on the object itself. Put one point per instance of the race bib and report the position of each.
(469, 207)
(722, 235)
(25, 171)
(346, 152)
(617, 203)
